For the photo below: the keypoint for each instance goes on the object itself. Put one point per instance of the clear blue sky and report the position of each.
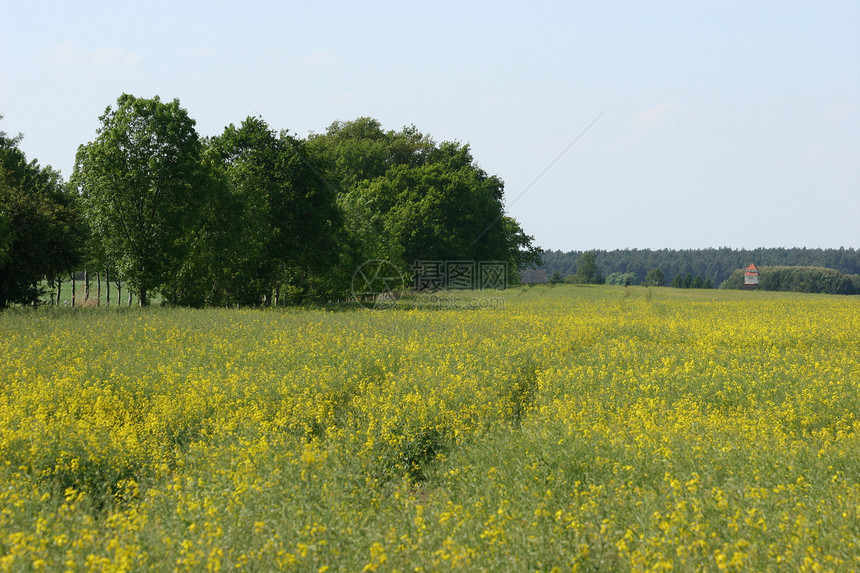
(727, 123)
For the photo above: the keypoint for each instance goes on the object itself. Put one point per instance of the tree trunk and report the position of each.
(141, 299)
(277, 294)
(107, 284)
(86, 285)
(129, 297)
(98, 288)
(74, 290)
(59, 290)
(118, 293)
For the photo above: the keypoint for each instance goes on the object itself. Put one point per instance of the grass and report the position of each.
(596, 428)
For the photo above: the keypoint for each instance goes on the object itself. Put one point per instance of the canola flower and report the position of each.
(573, 429)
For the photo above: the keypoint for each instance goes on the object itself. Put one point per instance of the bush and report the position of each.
(623, 279)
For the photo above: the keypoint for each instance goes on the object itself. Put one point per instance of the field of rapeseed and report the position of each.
(573, 428)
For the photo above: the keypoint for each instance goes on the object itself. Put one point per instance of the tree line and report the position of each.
(252, 216)
(40, 225)
(587, 272)
(799, 279)
(715, 264)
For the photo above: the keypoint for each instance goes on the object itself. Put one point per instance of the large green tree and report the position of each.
(40, 228)
(140, 181)
(213, 271)
(270, 224)
(360, 150)
(406, 198)
(587, 271)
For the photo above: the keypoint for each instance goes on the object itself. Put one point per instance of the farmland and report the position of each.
(602, 428)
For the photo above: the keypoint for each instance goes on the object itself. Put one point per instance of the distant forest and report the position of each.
(714, 264)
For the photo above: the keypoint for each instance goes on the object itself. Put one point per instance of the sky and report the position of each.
(613, 124)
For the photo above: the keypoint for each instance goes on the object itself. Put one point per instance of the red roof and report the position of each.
(752, 267)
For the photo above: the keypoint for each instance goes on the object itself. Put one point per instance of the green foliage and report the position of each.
(655, 277)
(735, 280)
(412, 456)
(265, 203)
(141, 185)
(799, 279)
(405, 198)
(254, 215)
(623, 279)
(359, 150)
(805, 279)
(587, 271)
(714, 264)
(40, 230)
(689, 281)
(224, 241)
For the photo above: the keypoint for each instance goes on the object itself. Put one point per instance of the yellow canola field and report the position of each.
(575, 428)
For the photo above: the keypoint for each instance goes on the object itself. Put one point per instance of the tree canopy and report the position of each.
(271, 222)
(252, 215)
(587, 271)
(141, 186)
(655, 277)
(407, 198)
(41, 233)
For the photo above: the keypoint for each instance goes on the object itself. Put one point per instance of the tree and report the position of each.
(40, 228)
(405, 198)
(445, 212)
(654, 277)
(270, 225)
(360, 150)
(735, 280)
(521, 252)
(623, 279)
(140, 181)
(683, 281)
(289, 211)
(438, 213)
(587, 271)
(221, 245)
